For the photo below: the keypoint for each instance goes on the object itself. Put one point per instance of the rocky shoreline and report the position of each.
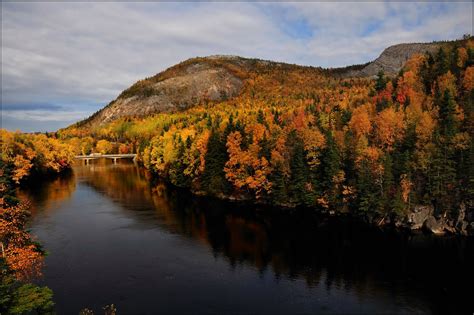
(422, 218)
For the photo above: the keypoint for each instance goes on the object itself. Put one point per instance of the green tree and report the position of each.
(381, 81)
(298, 189)
(329, 167)
(447, 111)
(213, 177)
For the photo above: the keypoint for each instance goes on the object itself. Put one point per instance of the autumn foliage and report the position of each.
(27, 153)
(304, 136)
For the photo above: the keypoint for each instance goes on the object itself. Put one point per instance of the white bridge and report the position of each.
(115, 157)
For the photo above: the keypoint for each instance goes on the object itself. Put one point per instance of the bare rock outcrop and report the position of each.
(419, 215)
(392, 59)
(434, 226)
(193, 83)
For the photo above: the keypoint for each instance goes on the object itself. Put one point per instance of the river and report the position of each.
(115, 236)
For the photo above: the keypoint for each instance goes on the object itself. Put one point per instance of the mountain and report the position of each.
(194, 81)
(217, 78)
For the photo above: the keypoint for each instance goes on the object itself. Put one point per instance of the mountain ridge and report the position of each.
(217, 78)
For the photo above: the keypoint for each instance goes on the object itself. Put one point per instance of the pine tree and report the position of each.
(299, 172)
(329, 167)
(213, 177)
(279, 193)
(381, 81)
(442, 62)
(447, 111)
(367, 200)
(387, 185)
(260, 117)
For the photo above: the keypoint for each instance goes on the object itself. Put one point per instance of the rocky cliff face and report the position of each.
(180, 87)
(392, 59)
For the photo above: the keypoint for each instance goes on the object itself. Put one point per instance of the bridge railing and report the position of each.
(111, 156)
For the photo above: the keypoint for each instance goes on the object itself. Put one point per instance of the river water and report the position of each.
(114, 236)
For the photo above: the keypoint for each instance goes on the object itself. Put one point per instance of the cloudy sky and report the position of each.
(63, 61)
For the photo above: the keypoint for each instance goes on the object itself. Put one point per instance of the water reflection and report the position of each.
(383, 272)
(46, 193)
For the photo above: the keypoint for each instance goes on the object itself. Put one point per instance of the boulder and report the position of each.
(461, 224)
(461, 227)
(419, 216)
(462, 212)
(433, 226)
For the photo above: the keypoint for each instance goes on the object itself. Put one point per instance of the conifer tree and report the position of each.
(299, 172)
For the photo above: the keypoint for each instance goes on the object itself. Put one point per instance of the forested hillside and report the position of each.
(299, 136)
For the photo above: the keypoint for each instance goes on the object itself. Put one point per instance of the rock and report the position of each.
(419, 216)
(433, 226)
(449, 227)
(461, 224)
(185, 85)
(461, 227)
(392, 59)
(398, 223)
(462, 212)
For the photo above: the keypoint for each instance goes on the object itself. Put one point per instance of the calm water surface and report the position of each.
(115, 237)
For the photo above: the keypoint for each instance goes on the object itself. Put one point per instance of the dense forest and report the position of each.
(298, 136)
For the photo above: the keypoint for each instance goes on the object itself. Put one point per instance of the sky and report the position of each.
(61, 62)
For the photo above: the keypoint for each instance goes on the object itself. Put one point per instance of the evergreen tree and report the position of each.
(299, 172)
(367, 200)
(442, 175)
(279, 193)
(382, 104)
(447, 111)
(213, 177)
(260, 117)
(329, 167)
(442, 62)
(387, 184)
(381, 81)
(427, 74)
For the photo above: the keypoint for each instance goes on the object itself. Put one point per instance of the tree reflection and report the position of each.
(47, 191)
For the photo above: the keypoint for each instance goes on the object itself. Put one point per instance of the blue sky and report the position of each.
(63, 61)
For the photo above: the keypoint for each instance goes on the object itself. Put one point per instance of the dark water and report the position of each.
(113, 237)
